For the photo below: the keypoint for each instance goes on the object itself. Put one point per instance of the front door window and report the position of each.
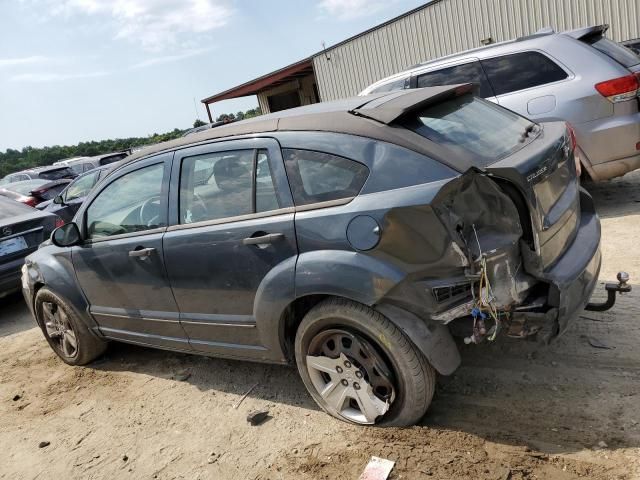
(131, 203)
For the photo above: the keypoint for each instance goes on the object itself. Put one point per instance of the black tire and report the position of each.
(413, 377)
(88, 346)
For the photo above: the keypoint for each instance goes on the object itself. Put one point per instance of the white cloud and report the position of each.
(54, 77)
(349, 9)
(24, 61)
(170, 58)
(155, 24)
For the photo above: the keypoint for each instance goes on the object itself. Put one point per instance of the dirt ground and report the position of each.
(514, 410)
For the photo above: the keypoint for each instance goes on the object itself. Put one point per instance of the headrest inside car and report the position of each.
(232, 173)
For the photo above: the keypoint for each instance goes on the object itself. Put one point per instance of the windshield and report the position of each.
(611, 49)
(474, 127)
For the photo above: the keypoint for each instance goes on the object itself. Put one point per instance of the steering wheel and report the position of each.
(150, 211)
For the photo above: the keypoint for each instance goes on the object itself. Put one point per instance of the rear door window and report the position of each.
(321, 177)
(475, 128)
(226, 184)
(519, 71)
(466, 73)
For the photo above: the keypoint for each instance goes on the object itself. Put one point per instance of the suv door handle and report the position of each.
(263, 239)
(141, 252)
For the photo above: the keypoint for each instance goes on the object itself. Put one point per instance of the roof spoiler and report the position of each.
(391, 110)
(587, 32)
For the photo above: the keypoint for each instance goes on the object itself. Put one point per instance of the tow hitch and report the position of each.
(611, 288)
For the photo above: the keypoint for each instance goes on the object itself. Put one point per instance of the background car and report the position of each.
(54, 172)
(345, 237)
(578, 76)
(632, 45)
(33, 192)
(22, 229)
(66, 204)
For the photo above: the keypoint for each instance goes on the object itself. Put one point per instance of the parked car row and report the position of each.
(69, 168)
(578, 76)
(352, 238)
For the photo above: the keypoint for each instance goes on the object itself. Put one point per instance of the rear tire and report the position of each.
(66, 334)
(378, 358)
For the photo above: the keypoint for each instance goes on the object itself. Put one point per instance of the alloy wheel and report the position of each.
(59, 329)
(350, 375)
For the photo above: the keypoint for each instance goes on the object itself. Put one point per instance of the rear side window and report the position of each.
(476, 128)
(390, 87)
(467, 73)
(321, 177)
(611, 49)
(511, 73)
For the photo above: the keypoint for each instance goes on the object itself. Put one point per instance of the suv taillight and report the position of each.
(620, 89)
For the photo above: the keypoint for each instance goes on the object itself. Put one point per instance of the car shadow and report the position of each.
(574, 394)
(618, 197)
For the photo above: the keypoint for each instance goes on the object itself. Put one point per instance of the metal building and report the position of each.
(438, 28)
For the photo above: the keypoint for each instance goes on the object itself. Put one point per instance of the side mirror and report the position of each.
(58, 200)
(67, 235)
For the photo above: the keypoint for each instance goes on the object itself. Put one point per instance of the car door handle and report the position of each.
(141, 252)
(263, 239)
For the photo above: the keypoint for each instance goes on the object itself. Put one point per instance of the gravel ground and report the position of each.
(514, 410)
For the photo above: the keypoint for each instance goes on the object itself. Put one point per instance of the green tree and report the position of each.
(198, 123)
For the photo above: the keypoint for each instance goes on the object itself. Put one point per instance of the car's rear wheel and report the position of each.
(66, 334)
(361, 368)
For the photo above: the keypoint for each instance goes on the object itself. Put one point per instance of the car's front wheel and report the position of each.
(67, 335)
(359, 367)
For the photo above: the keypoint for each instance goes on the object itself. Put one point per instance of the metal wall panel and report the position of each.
(449, 26)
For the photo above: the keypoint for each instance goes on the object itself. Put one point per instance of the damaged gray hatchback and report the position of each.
(351, 238)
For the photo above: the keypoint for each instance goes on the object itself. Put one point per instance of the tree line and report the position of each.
(29, 157)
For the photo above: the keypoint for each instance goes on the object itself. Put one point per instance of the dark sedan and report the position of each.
(22, 229)
(67, 203)
(350, 238)
(34, 192)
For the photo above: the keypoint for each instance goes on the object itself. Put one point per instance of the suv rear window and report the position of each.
(611, 49)
(57, 174)
(390, 87)
(518, 71)
(475, 128)
(320, 177)
(467, 73)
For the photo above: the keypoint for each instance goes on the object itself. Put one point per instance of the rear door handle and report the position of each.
(141, 252)
(263, 239)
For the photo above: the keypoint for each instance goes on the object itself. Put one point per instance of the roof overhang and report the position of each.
(291, 72)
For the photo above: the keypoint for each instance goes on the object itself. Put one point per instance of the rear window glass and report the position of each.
(320, 177)
(519, 71)
(476, 128)
(57, 174)
(24, 188)
(467, 73)
(611, 49)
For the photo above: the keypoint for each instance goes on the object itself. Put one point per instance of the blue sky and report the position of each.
(77, 70)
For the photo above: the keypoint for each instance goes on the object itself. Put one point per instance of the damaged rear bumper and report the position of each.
(572, 279)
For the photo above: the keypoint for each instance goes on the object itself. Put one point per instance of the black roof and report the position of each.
(370, 116)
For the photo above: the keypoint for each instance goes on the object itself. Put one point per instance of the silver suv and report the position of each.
(577, 76)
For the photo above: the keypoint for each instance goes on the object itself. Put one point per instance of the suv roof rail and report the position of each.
(544, 31)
